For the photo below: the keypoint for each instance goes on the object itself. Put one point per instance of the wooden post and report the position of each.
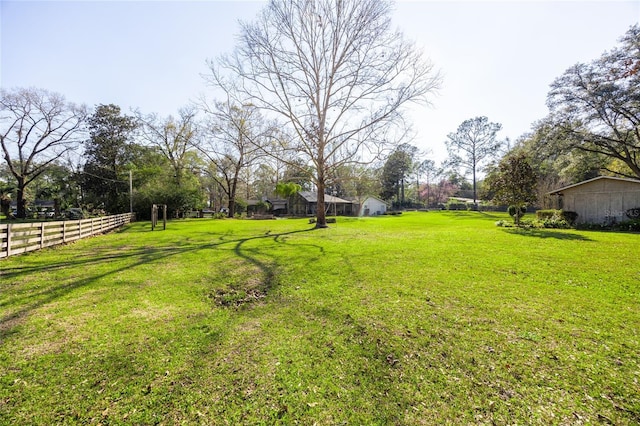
(8, 240)
(41, 235)
(164, 216)
(154, 216)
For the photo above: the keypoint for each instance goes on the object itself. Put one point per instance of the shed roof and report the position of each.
(558, 191)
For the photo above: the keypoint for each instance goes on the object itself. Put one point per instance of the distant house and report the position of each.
(603, 200)
(278, 206)
(372, 206)
(305, 203)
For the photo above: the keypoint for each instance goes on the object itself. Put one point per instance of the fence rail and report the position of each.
(17, 238)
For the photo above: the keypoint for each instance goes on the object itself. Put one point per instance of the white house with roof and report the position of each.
(372, 206)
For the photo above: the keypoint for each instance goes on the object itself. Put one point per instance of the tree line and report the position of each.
(313, 95)
(592, 129)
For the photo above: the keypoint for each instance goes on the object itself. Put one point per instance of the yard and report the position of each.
(423, 318)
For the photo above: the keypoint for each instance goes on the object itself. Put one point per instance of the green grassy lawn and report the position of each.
(424, 318)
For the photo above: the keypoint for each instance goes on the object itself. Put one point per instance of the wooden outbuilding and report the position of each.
(372, 206)
(603, 200)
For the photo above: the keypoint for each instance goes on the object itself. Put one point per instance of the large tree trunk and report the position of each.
(321, 219)
(22, 203)
(474, 182)
(232, 200)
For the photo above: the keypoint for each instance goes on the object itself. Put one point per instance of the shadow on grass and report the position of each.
(544, 233)
(465, 214)
(37, 296)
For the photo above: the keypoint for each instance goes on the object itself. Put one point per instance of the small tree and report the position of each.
(287, 190)
(473, 143)
(396, 171)
(232, 142)
(514, 184)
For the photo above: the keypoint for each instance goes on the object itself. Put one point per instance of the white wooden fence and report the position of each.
(16, 238)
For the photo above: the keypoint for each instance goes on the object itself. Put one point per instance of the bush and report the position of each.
(630, 225)
(546, 214)
(633, 214)
(555, 222)
(556, 218)
(456, 206)
(529, 223)
(514, 210)
(570, 217)
(504, 224)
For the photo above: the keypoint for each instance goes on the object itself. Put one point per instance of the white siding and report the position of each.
(372, 207)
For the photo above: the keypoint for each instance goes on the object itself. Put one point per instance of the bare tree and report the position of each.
(428, 169)
(473, 142)
(232, 141)
(335, 72)
(37, 127)
(174, 137)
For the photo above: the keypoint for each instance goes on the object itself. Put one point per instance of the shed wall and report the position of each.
(372, 207)
(602, 202)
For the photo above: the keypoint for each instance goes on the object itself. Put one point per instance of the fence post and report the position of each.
(8, 240)
(28, 241)
(164, 216)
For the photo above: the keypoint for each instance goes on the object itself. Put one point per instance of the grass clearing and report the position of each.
(424, 318)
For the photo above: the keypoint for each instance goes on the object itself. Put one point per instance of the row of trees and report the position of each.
(332, 77)
(313, 95)
(593, 128)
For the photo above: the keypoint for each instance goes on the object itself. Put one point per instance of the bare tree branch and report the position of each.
(337, 75)
(36, 128)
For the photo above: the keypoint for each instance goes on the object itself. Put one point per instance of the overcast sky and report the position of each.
(497, 57)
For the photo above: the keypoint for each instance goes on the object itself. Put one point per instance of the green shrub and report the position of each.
(456, 206)
(547, 214)
(529, 223)
(554, 222)
(633, 214)
(512, 210)
(556, 218)
(516, 212)
(570, 217)
(504, 224)
(630, 225)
